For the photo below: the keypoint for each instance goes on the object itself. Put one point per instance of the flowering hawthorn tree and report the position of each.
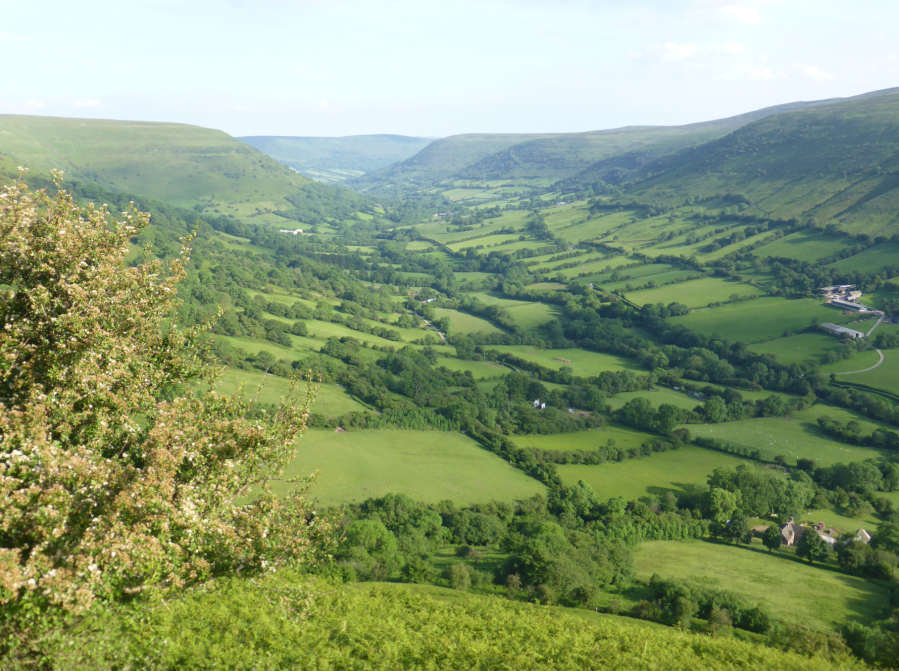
(108, 484)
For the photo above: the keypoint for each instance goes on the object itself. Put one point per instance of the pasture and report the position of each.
(695, 293)
(531, 316)
(331, 400)
(661, 395)
(429, 466)
(798, 348)
(871, 260)
(796, 437)
(799, 594)
(761, 319)
(586, 441)
(462, 322)
(581, 362)
(804, 246)
(655, 474)
(885, 376)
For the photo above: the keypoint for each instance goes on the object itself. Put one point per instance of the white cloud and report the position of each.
(678, 52)
(239, 108)
(761, 73)
(746, 14)
(89, 103)
(811, 72)
(323, 106)
(34, 104)
(732, 48)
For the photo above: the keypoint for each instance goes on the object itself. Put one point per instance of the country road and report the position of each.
(865, 370)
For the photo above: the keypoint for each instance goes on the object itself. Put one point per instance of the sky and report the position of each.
(432, 69)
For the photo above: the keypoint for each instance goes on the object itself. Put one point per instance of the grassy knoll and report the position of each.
(586, 440)
(582, 362)
(796, 437)
(331, 400)
(805, 246)
(656, 474)
(695, 293)
(427, 465)
(798, 348)
(815, 596)
(760, 319)
(461, 322)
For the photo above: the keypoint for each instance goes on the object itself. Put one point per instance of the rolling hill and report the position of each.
(335, 159)
(184, 165)
(836, 162)
(543, 159)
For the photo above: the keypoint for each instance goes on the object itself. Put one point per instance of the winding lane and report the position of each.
(853, 372)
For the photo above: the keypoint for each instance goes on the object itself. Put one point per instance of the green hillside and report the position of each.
(335, 159)
(528, 161)
(177, 163)
(835, 162)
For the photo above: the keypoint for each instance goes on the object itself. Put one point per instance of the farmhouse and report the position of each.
(293, 231)
(841, 291)
(790, 533)
(841, 331)
(863, 536)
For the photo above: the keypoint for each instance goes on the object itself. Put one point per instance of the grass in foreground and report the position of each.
(287, 621)
(817, 596)
(429, 466)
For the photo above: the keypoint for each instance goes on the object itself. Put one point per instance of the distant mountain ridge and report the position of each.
(604, 155)
(334, 159)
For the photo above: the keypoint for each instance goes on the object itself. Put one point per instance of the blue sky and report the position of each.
(344, 67)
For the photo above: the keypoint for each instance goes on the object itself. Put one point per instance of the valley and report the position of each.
(578, 370)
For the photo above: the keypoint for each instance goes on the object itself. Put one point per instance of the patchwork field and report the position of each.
(331, 400)
(461, 322)
(586, 440)
(798, 348)
(695, 293)
(805, 246)
(761, 319)
(427, 465)
(661, 395)
(797, 437)
(885, 376)
(656, 474)
(582, 362)
(800, 594)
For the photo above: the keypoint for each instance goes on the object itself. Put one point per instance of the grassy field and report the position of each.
(531, 316)
(798, 348)
(805, 246)
(582, 362)
(427, 465)
(815, 596)
(695, 293)
(761, 319)
(331, 400)
(462, 322)
(479, 369)
(871, 260)
(885, 376)
(796, 437)
(586, 440)
(656, 474)
(661, 395)
(859, 361)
